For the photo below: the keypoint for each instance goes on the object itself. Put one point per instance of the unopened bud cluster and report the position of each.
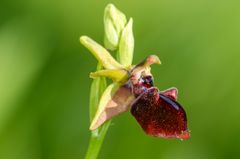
(118, 34)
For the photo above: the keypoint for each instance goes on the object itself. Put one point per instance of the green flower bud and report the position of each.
(126, 45)
(114, 22)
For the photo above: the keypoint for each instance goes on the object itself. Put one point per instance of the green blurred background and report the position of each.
(44, 77)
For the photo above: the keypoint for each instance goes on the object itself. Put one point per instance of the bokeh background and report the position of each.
(44, 77)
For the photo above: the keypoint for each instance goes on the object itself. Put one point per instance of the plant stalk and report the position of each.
(97, 136)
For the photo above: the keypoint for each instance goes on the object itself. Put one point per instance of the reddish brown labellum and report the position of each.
(158, 113)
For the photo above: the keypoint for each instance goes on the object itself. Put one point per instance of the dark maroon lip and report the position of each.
(160, 115)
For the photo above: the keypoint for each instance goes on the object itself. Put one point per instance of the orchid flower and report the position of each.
(132, 88)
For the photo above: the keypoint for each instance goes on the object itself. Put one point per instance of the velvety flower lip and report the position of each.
(160, 116)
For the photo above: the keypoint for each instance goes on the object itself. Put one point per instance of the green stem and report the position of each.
(97, 136)
(96, 140)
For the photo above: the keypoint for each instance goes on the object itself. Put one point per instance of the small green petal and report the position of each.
(100, 53)
(126, 45)
(119, 75)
